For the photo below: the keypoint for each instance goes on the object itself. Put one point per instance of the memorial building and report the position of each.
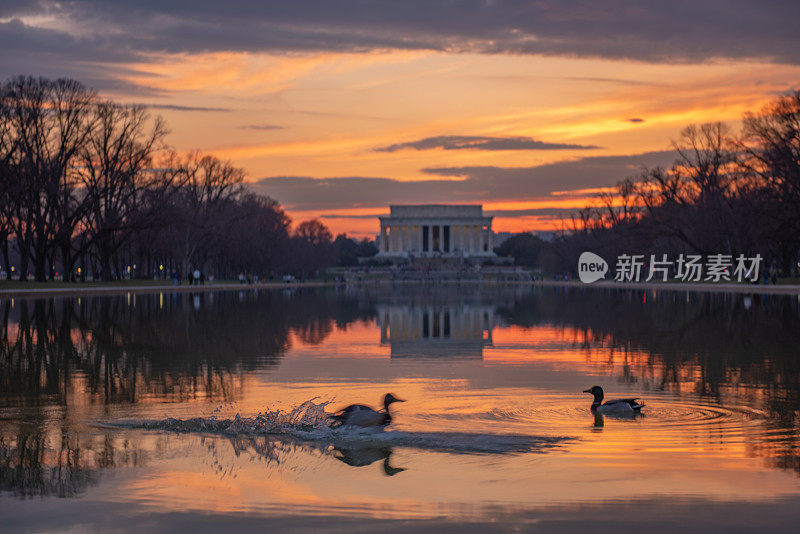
(436, 231)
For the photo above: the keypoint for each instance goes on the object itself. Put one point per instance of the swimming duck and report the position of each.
(618, 406)
(364, 416)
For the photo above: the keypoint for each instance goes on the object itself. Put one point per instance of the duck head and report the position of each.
(389, 399)
(597, 391)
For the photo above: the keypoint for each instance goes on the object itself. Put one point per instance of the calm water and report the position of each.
(495, 433)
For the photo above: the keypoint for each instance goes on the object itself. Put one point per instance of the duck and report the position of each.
(364, 416)
(615, 406)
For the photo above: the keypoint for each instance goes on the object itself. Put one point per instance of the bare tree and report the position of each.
(312, 247)
(48, 122)
(7, 152)
(209, 187)
(117, 170)
(771, 146)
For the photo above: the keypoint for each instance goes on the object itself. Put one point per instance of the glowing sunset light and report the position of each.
(292, 107)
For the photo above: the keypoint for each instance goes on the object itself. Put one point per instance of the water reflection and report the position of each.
(600, 419)
(137, 348)
(363, 456)
(63, 464)
(436, 329)
(67, 361)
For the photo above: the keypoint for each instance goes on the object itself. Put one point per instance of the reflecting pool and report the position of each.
(207, 411)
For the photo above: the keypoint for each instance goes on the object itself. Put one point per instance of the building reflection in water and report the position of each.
(434, 330)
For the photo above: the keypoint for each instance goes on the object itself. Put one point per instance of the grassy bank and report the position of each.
(57, 284)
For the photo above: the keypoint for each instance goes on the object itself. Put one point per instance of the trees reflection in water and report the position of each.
(36, 460)
(137, 348)
(707, 344)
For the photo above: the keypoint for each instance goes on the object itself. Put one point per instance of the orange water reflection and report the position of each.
(721, 420)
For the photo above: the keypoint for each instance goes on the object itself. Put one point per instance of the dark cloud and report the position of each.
(99, 31)
(457, 184)
(171, 107)
(12, 8)
(554, 213)
(534, 212)
(53, 54)
(635, 119)
(260, 127)
(468, 142)
(617, 81)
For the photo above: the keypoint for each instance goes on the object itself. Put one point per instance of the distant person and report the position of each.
(196, 276)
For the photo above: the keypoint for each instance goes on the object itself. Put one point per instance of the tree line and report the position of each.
(728, 192)
(89, 187)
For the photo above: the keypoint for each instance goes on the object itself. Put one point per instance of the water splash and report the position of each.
(308, 422)
(307, 416)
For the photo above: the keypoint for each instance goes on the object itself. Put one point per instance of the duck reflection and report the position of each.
(363, 456)
(600, 419)
(276, 449)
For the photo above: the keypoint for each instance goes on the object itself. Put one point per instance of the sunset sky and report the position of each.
(337, 109)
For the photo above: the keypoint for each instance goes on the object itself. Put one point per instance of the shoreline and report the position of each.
(756, 289)
(34, 292)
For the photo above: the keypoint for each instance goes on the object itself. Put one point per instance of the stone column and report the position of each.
(399, 239)
(430, 238)
(384, 242)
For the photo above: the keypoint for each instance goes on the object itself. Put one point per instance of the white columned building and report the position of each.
(436, 231)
